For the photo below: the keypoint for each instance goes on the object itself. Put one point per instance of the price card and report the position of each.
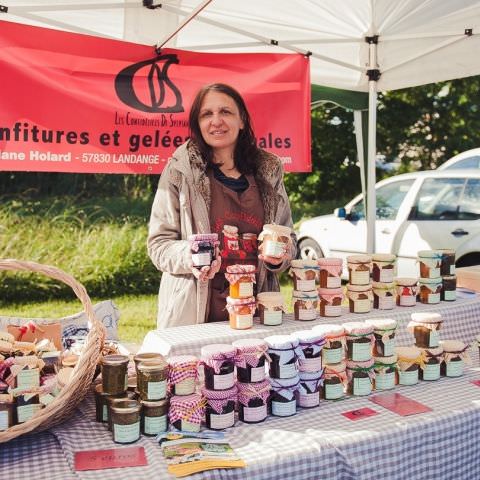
(399, 404)
(476, 382)
(360, 413)
(112, 458)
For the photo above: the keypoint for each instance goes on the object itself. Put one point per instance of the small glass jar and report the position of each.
(430, 370)
(330, 273)
(220, 408)
(284, 393)
(218, 361)
(253, 401)
(311, 343)
(361, 376)
(330, 301)
(409, 361)
(241, 279)
(230, 237)
(111, 400)
(448, 262)
(270, 308)
(27, 406)
(455, 356)
(383, 267)
(309, 389)
(383, 295)
(334, 381)
(52, 362)
(283, 351)
(384, 332)
(406, 292)
(333, 351)
(429, 290)
(275, 240)
(360, 298)
(203, 249)
(359, 268)
(152, 379)
(125, 421)
(101, 407)
(114, 374)
(187, 412)
(386, 376)
(7, 412)
(249, 243)
(250, 359)
(360, 341)
(147, 356)
(240, 312)
(430, 263)
(304, 274)
(182, 374)
(425, 326)
(305, 305)
(449, 288)
(154, 416)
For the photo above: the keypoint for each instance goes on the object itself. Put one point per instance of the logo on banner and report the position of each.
(152, 93)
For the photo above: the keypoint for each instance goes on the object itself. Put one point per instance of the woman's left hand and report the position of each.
(275, 260)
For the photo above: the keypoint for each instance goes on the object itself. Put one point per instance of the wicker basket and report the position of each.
(64, 404)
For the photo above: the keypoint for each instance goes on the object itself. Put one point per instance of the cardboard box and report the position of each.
(469, 277)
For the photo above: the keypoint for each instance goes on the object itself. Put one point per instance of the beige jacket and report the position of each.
(180, 208)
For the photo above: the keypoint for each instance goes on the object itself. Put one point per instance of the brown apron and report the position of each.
(244, 211)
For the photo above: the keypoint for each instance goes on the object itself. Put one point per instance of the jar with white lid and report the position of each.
(425, 326)
(270, 308)
(333, 352)
(384, 332)
(406, 291)
(360, 341)
(433, 362)
(309, 389)
(330, 302)
(218, 361)
(383, 267)
(182, 374)
(409, 361)
(360, 298)
(311, 343)
(429, 290)
(330, 272)
(283, 351)
(430, 263)
(304, 274)
(305, 305)
(275, 240)
(383, 295)
(455, 357)
(386, 376)
(359, 268)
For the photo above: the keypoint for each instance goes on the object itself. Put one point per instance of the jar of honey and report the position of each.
(333, 352)
(425, 326)
(406, 292)
(241, 279)
(240, 312)
(430, 263)
(275, 240)
(305, 305)
(409, 361)
(304, 273)
(270, 308)
(383, 295)
(429, 290)
(383, 267)
(330, 272)
(360, 298)
(359, 268)
(330, 301)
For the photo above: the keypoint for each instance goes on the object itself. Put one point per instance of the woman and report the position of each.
(218, 181)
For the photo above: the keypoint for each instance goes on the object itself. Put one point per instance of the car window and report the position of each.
(389, 199)
(470, 162)
(438, 199)
(469, 208)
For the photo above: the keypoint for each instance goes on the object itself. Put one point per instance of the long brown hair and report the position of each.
(246, 153)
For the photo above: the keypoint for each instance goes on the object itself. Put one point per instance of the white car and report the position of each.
(415, 211)
(468, 159)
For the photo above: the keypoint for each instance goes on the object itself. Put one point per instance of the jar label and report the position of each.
(46, 399)
(408, 300)
(434, 272)
(157, 390)
(362, 306)
(243, 321)
(310, 364)
(288, 370)
(388, 347)
(454, 369)
(408, 378)
(362, 386)
(433, 298)
(245, 289)
(385, 381)
(305, 285)
(273, 249)
(257, 374)
(272, 318)
(361, 351)
(222, 382)
(307, 314)
(309, 399)
(333, 310)
(284, 409)
(201, 259)
(26, 412)
(333, 391)
(189, 426)
(431, 371)
(28, 378)
(154, 425)
(433, 338)
(360, 277)
(3, 421)
(452, 269)
(386, 275)
(225, 420)
(385, 303)
(185, 387)
(254, 414)
(332, 355)
(126, 433)
(450, 295)
(104, 414)
(334, 282)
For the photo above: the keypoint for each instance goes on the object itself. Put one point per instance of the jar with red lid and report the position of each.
(250, 359)
(241, 279)
(253, 401)
(218, 362)
(330, 272)
(186, 413)
(220, 408)
(240, 312)
(406, 292)
(182, 374)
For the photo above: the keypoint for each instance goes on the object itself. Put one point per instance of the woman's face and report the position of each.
(219, 120)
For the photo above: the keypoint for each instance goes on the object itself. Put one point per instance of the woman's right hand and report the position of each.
(207, 273)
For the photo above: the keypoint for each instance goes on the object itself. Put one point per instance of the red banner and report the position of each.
(76, 103)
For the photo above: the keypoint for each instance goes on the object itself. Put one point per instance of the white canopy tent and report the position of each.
(359, 45)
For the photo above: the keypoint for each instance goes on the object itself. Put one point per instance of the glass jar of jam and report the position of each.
(361, 376)
(283, 351)
(7, 411)
(270, 308)
(250, 359)
(27, 406)
(330, 272)
(311, 343)
(360, 298)
(152, 379)
(203, 249)
(275, 240)
(449, 288)
(220, 408)
(147, 356)
(182, 374)
(429, 290)
(125, 421)
(309, 389)
(360, 341)
(430, 369)
(455, 356)
(334, 381)
(383, 295)
(430, 262)
(305, 305)
(101, 398)
(425, 326)
(241, 279)
(240, 312)
(253, 401)
(409, 361)
(448, 262)
(333, 352)
(304, 274)
(230, 237)
(384, 332)
(154, 416)
(284, 394)
(385, 369)
(187, 412)
(249, 243)
(383, 266)
(330, 301)
(406, 292)
(218, 362)
(114, 374)
(359, 268)
(111, 400)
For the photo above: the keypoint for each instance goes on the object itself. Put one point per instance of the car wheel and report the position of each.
(309, 249)
(469, 260)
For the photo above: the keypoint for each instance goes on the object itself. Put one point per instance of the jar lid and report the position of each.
(382, 323)
(329, 329)
(285, 382)
(120, 397)
(357, 364)
(330, 291)
(208, 351)
(141, 357)
(408, 352)
(182, 359)
(152, 365)
(281, 341)
(452, 345)
(433, 351)
(241, 268)
(70, 360)
(270, 297)
(430, 254)
(312, 295)
(449, 277)
(63, 376)
(125, 406)
(359, 288)
(308, 336)
(186, 401)
(115, 360)
(247, 343)
(220, 394)
(446, 251)
(359, 258)
(384, 257)
(336, 367)
(430, 281)
(308, 376)
(232, 229)
(406, 281)
(426, 317)
(240, 301)
(155, 403)
(390, 360)
(330, 262)
(383, 286)
(279, 229)
(359, 328)
(306, 264)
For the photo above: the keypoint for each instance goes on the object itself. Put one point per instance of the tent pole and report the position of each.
(357, 120)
